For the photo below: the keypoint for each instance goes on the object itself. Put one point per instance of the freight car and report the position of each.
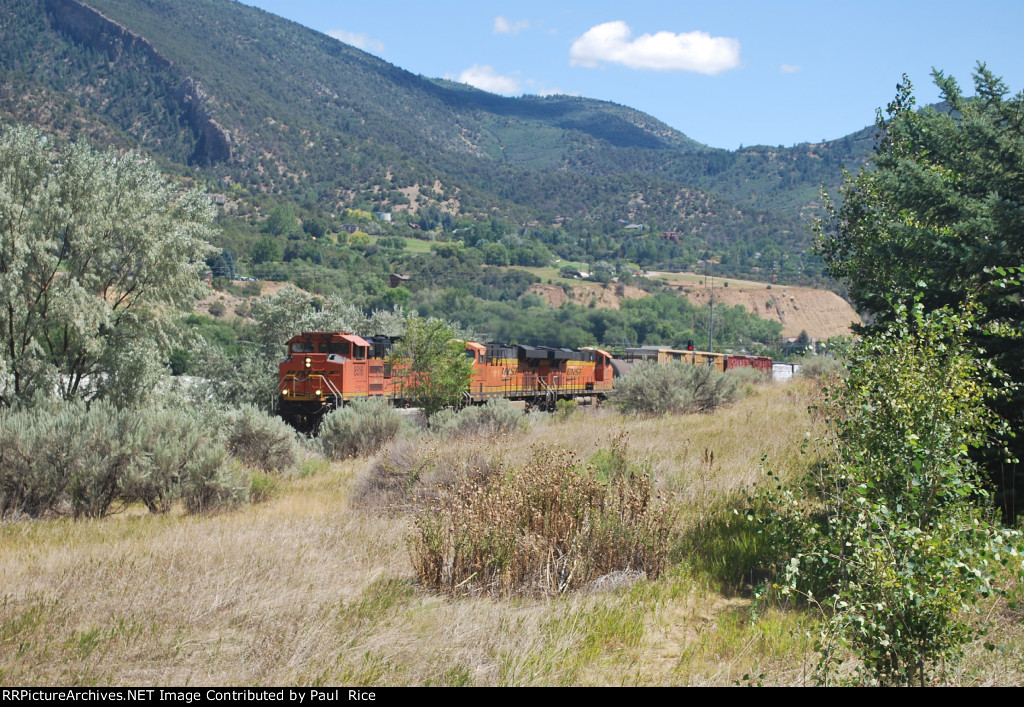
(327, 370)
(719, 361)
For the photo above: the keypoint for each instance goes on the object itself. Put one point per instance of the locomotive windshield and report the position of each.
(303, 347)
(342, 348)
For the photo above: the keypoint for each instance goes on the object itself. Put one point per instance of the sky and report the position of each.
(725, 73)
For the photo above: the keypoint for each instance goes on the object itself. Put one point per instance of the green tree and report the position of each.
(940, 212)
(315, 227)
(281, 221)
(432, 364)
(267, 250)
(894, 541)
(96, 252)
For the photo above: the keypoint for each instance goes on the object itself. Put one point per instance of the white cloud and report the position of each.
(503, 26)
(487, 79)
(790, 68)
(613, 42)
(358, 39)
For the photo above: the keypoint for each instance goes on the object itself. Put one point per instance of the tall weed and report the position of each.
(548, 527)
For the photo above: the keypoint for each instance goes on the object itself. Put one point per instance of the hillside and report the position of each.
(820, 313)
(270, 112)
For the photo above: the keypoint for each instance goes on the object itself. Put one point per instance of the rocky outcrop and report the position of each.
(92, 28)
(214, 141)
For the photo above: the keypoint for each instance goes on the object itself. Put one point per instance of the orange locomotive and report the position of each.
(326, 370)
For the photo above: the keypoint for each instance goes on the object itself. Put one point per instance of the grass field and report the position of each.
(313, 587)
(412, 245)
(552, 272)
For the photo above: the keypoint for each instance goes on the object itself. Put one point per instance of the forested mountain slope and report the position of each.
(235, 95)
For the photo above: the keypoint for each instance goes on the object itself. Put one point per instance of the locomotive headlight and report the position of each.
(309, 362)
(284, 392)
(318, 391)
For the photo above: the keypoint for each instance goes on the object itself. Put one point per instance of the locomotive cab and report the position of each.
(323, 371)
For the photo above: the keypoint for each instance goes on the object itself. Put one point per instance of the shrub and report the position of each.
(893, 542)
(84, 461)
(210, 483)
(409, 469)
(97, 448)
(548, 527)
(360, 428)
(29, 484)
(564, 409)
(746, 376)
(653, 389)
(172, 441)
(67, 458)
(262, 441)
(261, 486)
(496, 417)
(820, 367)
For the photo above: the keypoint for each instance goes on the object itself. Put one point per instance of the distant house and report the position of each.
(670, 236)
(349, 227)
(383, 216)
(636, 227)
(395, 280)
(219, 199)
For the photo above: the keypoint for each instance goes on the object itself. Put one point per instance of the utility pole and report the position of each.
(711, 328)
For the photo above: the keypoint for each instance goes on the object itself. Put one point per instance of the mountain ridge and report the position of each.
(234, 95)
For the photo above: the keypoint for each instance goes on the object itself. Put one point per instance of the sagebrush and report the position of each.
(70, 459)
(655, 389)
(360, 428)
(496, 417)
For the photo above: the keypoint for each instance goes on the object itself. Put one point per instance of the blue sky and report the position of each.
(726, 74)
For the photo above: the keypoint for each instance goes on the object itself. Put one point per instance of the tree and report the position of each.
(223, 265)
(434, 369)
(315, 227)
(940, 212)
(97, 251)
(281, 221)
(891, 542)
(267, 250)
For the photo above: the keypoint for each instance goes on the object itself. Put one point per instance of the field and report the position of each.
(315, 586)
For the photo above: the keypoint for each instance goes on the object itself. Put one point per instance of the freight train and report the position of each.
(327, 370)
(719, 361)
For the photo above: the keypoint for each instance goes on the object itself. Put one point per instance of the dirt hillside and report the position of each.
(821, 313)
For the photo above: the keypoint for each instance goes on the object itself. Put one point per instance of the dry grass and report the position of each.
(310, 588)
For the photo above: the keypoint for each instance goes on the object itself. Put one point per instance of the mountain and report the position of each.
(272, 112)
